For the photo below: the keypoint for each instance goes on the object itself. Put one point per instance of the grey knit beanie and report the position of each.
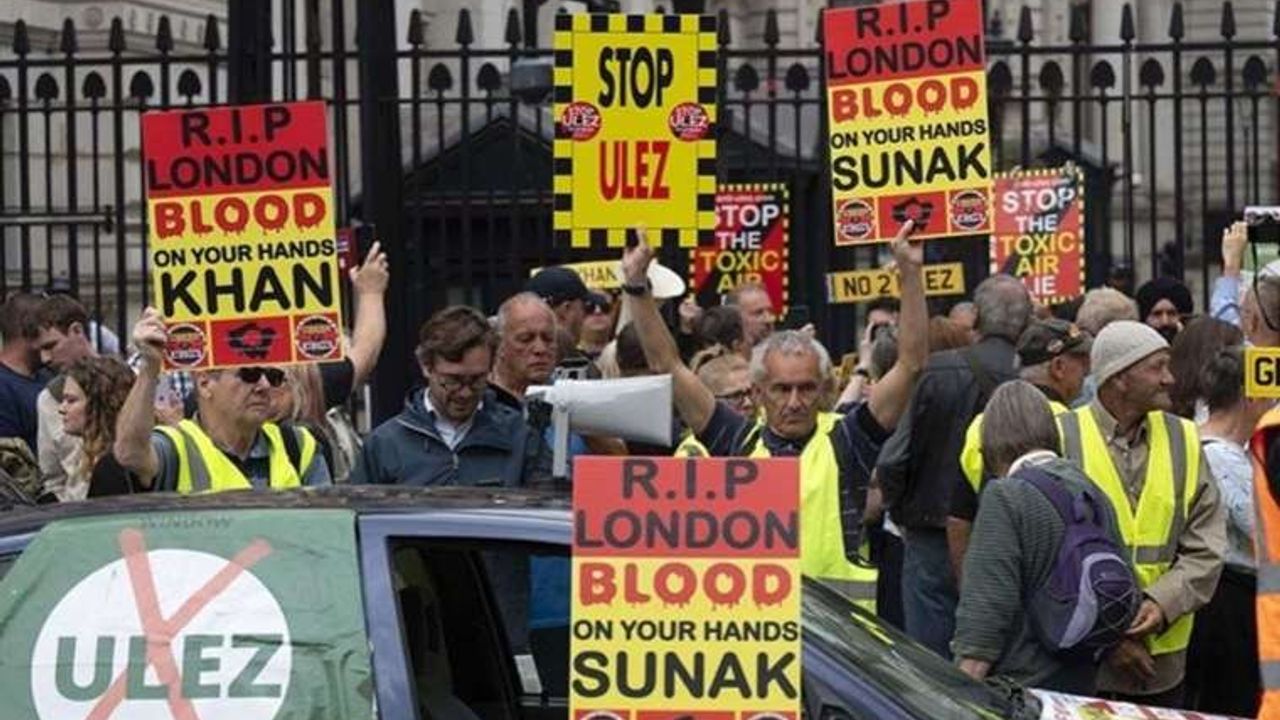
(1120, 345)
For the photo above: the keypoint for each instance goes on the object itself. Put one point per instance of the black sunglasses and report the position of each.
(251, 375)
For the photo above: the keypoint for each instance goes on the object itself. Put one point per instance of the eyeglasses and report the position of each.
(453, 383)
(593, 308)
(251, 375)
(735, 396)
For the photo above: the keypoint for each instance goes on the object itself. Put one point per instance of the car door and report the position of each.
(468, 614)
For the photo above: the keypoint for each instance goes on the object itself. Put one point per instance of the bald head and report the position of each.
(526, 342)
(1004, 307)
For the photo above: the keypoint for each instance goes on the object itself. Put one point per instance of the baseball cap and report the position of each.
(557, 284)
(1044, 340)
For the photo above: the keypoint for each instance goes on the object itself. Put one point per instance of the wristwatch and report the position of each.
(636, 290)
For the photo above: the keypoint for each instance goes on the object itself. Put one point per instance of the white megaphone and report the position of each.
(636, 408)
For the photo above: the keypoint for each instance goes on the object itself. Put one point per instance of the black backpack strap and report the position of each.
(292, 448)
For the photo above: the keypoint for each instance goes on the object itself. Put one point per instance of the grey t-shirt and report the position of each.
(256, 466)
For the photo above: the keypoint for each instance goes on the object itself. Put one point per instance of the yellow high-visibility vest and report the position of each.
(690, 447)
(971, 453)
(822, 554)
(1151, 530)
(202, 467)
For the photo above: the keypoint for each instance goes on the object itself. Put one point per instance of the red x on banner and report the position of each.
(159, 630)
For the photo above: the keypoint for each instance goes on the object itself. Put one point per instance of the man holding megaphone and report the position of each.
(790, 372)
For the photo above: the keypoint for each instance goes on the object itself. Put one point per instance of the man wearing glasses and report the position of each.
(229, 445)
(455, 431)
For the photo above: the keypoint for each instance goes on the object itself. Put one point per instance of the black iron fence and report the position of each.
(447, 149)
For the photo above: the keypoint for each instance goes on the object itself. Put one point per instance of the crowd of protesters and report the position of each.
(911, 495)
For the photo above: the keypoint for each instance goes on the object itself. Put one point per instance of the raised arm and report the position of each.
(369, 330)
(694, 402)
(137, 416)
(889, 396)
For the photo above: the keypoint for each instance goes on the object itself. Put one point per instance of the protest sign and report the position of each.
(1039, 233)
(686, 588)
(855, 286)
(162, 614)
(907, 104)
(750, 245)
(1262, 372)
(635, 110)
(244, 262)
(597, 274)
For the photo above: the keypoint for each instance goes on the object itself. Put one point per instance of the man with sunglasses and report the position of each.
(228, 445)
(455, 431)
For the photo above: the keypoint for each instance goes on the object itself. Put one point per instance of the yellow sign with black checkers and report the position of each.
(1262, 372)
(635, 110)
(855, 286)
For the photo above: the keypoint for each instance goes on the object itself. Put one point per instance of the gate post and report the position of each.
(248, 51)
(381, 203)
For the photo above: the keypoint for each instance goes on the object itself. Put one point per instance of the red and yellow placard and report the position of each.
(686, 588)
(907, 103)
(750, 245)
(635, 110)
(1039, 233)
(240, 226)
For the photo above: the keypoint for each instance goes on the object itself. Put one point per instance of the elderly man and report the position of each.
(790, 372)
(63, 340)
(526, 353)
(1054, 355)
(920, 464)
(229, 445)
(455, 431)
(1149, 464)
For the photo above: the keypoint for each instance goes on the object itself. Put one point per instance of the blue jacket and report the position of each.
(499, 450)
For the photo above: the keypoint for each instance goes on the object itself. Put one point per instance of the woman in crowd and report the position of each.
(1014, 548)
(1222, 661)
(1194, 348)
(93, 391)
(302, 400)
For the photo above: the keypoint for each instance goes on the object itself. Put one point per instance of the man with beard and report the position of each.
(1162, 303)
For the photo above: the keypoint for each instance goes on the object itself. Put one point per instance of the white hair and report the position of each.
(788, 342)
(503, 317)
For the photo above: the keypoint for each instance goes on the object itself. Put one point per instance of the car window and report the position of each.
(474, 647)
(927, 685)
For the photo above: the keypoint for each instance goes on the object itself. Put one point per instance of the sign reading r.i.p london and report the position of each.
(244, 259)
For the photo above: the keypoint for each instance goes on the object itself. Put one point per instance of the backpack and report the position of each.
(1085, 605)
(20, 482)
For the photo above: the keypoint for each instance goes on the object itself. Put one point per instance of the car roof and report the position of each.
(363, 499)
